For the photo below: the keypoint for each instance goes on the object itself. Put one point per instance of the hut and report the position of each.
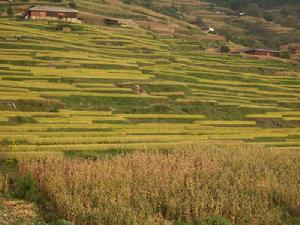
(208, 29)
(262, 52)
(295, 50)
(51, 13)
(111, 22)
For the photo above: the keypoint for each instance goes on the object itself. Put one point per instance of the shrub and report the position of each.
(128, 2)
(224, 49)
(268, 16)
(26, 189)
(73, 5)
(199, 22)
(217, 220)
(285, 55)
(10, 11)
(23, 185)
(22, 120)
(62, 222)
(254, 10)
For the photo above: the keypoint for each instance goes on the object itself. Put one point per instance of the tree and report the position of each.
(238, 4)
(224, 49)
(199, 22)
(128, 2)
(73, 5)
(254, 10)
(10, 11)
(268, 16)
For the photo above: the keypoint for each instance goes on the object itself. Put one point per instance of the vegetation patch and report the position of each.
(183, 185)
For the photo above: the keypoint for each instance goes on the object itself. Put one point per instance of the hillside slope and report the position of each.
(112, 87)
(263, 24)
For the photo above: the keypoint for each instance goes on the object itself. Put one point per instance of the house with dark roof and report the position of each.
(261, 52)
(52, 13)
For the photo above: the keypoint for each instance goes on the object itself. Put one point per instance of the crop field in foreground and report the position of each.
(200, 185)
(112, 87)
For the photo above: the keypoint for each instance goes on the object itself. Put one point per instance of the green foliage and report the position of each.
(32, 105)
(9, 11)
(282, 12)
(59, 25)
(6, 142)
(27, 189)
(243, 4)
(268, 16)
(21, 120)
(199, 21)
(224, 49)
(217, 220)
(285, 55)
(169, 11)
(237, 37)
(128, 2)
(39, 221)
(254, 10)
(73, 5)
(62, 222)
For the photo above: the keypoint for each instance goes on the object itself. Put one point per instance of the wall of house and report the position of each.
(263, 53)
(43, 15)
(296, 50)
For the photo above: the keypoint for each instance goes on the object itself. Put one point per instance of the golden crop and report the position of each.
(246, 185)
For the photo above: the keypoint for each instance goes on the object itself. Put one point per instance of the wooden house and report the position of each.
(52, 13)
(295, 50)
(111, 22)
(262, 52)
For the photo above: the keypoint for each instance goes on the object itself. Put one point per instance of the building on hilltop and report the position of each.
(52, 13)
(261, 52)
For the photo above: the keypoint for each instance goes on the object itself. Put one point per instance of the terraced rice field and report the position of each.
(109, 87)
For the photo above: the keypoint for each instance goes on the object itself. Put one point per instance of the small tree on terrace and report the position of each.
(10, 11)
(224, 49)
(73, 5)
(199, 22)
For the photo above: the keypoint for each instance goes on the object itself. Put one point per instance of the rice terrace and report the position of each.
(144, 112)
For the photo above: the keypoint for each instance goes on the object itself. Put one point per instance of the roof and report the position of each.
(260, 50)
(53, 9)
